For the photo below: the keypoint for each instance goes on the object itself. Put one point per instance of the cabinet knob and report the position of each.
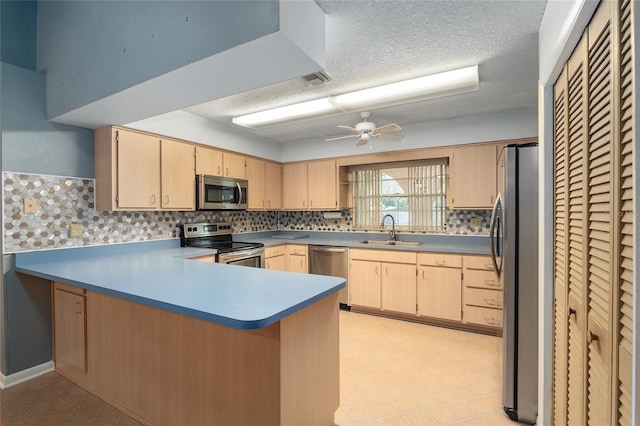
(166, 199)
(153, 199)
(227, 171)
(376, 270)
(219, 170)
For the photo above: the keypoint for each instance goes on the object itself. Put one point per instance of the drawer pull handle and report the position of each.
(376, 270)
(490, 320)
(490, 302)
(441, 262)
(488, 266)
(491, 283)
(78, 308)
(386, 271)
(423, 277)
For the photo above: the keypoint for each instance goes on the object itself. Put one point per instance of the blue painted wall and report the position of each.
(18, 33)
(92, 49)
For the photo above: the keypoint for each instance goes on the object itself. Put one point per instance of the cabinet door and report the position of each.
(294, 186)
(138, 171)
(322, 184)
(273, 186)
(256, 178)
(440, 293)
(178, 178)
(278, 263)
(399, 287)
(473, 177)
(364, 284)
(298, 263)
(208, 161)
(234, 165)
(70, 331)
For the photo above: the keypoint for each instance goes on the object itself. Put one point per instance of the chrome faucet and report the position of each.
(392, 233)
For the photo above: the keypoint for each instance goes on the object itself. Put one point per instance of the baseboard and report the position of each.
(24, 375)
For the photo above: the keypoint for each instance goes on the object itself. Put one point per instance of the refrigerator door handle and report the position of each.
(495, 229)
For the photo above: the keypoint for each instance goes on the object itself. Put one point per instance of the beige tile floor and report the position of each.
(402, 373)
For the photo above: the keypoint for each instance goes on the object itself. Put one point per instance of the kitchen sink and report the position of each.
(391, 243)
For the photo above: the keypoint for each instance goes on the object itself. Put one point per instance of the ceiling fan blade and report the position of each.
(392, 127)
(389, 136)
(350, 129)
(342, 137)
(362, 141)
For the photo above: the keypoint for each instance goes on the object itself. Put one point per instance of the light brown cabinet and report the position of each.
(472, 171)
(364, 284)
(213, 162)
(482, 292)
(276, 257)
(399, 287)
(70, 328)
(440, 286)
(297, 258)
(138, 171)
(310, 186)
(265, 184)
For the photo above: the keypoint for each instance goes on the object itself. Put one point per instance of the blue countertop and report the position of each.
(160, 274)
(437, 243)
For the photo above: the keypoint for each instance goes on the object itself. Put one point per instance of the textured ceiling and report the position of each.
(377, 42)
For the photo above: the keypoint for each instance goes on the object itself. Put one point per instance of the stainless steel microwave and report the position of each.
(219, 193)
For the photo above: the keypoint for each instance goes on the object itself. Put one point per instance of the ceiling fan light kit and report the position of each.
(446, 83)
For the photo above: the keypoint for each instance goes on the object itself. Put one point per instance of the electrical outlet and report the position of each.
(75, 230)
(475, 222)
(248, 223)
(343, 221)
(30, 206)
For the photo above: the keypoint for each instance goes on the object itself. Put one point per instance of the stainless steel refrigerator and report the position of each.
(514, 250)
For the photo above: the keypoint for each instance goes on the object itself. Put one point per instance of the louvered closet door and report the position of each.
(560, 328)
(577, 253)
(601, 223)
(625, 295)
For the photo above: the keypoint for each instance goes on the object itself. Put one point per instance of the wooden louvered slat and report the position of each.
(625, 333)
(561, 216)
(600, 188)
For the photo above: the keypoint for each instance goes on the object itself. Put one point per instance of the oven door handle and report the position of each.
(225, 257)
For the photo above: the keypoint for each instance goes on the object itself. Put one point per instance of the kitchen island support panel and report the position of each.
(164, 368)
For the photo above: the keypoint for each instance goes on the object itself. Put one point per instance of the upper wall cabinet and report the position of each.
(265, 184)
(473, 177)
(137, 171)
(213, 162)
(310, 186)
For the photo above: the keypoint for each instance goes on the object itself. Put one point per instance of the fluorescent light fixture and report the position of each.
(446, 83)
(429, 86)
(286, 113)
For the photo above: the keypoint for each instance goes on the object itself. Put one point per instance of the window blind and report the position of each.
(413, 193)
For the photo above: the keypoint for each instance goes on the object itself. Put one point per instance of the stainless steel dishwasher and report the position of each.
(332, 261)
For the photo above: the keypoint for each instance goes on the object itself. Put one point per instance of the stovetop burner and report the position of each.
(216, 236)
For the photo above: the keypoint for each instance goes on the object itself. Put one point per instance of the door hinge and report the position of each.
(416, 272)
(117, 137)
(117, 198)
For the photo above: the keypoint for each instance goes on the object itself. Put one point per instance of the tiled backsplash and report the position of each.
(64, 200)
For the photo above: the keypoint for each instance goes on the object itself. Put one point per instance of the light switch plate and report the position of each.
(30, 206)
(75, 230)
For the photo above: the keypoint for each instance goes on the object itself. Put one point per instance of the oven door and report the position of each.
(215, 193)
(253, 258)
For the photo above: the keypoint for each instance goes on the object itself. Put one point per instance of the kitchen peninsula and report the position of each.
(176, 341)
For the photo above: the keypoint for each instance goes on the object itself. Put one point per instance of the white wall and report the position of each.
(512, 124)
(183, 125)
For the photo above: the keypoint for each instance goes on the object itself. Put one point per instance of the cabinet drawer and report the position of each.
(297, 249)
(69, 288)
(209, 258)
(383, 256)
(274, 251)
(439, 259)
(481, 297)
(483, 316)
(478, 262)
(481, 279)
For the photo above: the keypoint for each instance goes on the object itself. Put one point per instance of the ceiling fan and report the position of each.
(365, 130)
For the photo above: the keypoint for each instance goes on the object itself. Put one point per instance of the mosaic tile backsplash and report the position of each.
(62, 201)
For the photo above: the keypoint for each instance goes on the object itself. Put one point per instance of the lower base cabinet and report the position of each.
(364, 284)
(276, 257)
(399, 287)
(482, 293)
(440, 293)
(70, 330)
